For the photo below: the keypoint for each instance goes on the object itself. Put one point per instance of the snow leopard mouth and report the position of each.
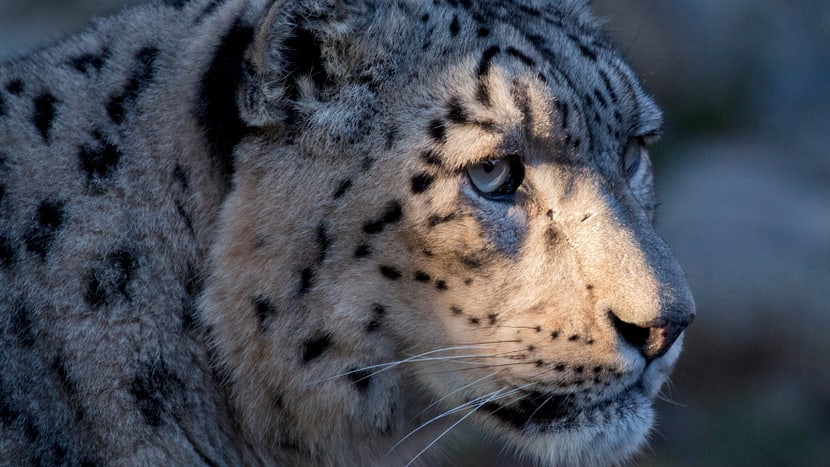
(536, 408)
(545, 412)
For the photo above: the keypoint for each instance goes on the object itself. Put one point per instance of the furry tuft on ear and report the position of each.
(290, 54)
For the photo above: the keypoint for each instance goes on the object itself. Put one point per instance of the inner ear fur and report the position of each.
(289, 56)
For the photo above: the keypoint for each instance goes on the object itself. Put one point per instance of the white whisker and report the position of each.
(438, 438)
(450, 394)
(388, 365)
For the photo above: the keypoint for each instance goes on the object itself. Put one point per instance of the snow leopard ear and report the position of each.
(291, 59)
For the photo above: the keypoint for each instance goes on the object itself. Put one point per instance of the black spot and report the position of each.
(21, 324)
(564, 112)
(441, 285)
(2, 106)
(431, 158)
(378, 311)
(323, 241)
(315, 346)
(69, 386)
(392, 214)
(51, 216)
(6, 251)
(153, 389)
(552, 237)
(456, 112)
(8, 413)
(361, 379)
(209, 9)
(363, 250)
(436, 219)
(590, 54)
(190, 320)
(600, 98)
(15, 87)
(389, 272)
(100, 159)
(44, 114)
(421, 276)
(554, 335)
(474, 260)
(264, 309)
(456, 310)
(188, 221)
(180, 177)
(140, 77)
(530, 10)
(109, 278)
(178, 4)
(521, 56)
(306, 280)
(610, 90)
(373, 325)
(88, 62)
(421, 182)
(454, 26)
(193, 284)
(216, 108)
(391, 138)
(342, 188)
(487, 60)
(475, 321)
(493, 317)
(560, 367)
(438, 130)
(574, 338)
(483, 31)
(31, 430)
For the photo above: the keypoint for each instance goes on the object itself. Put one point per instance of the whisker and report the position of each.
(448, 430)
(481, 367)
(388, 365)
(539, 408)
(450, 394)
(458, 409)
(642, 25)
(438, 417)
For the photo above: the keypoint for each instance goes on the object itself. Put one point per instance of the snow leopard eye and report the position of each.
(496, 178)
(633, 156)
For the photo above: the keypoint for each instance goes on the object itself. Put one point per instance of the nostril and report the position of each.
(652, 340)
(634, 335)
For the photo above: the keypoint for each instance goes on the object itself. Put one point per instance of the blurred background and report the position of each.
(744, 180)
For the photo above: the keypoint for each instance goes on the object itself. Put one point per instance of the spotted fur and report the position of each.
(242, 232)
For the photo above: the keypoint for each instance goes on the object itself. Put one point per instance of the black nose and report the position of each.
(651, 339)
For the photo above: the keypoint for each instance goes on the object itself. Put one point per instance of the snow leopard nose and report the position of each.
(652, 339)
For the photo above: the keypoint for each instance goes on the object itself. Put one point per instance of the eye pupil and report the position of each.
(496, 178)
